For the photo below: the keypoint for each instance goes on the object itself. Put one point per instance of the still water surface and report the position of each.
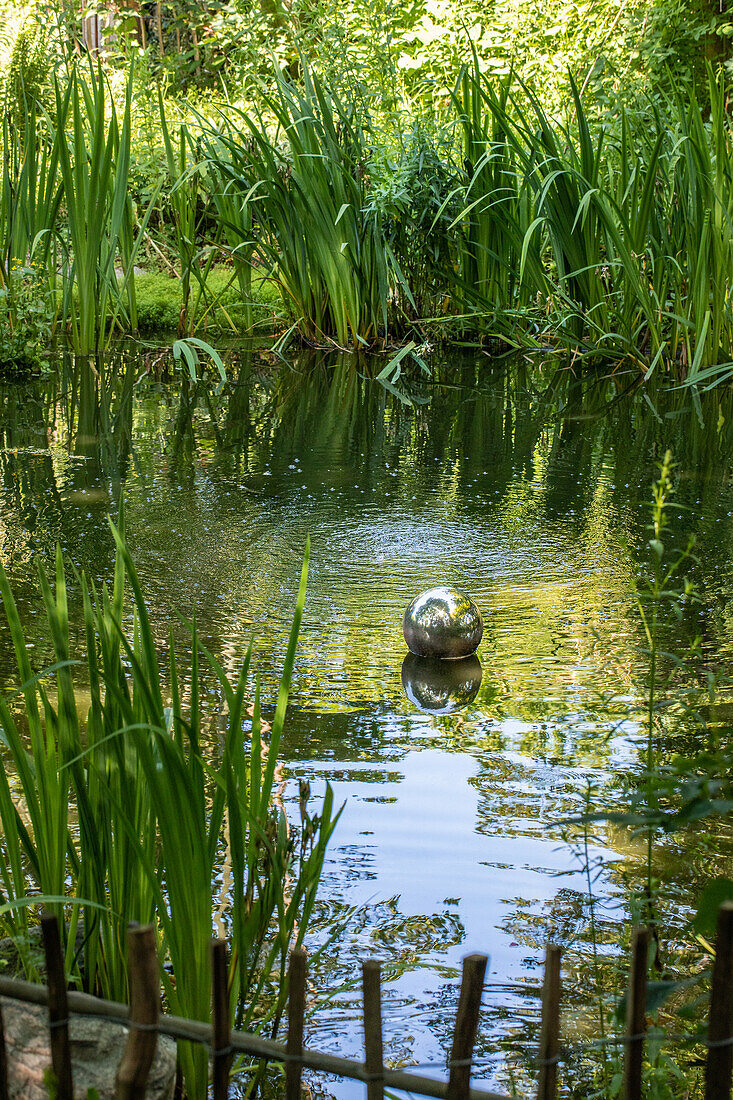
(527, 488)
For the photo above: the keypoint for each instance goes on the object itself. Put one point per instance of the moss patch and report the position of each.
(220, 310)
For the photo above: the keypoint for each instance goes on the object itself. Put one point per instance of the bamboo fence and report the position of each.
(145, 1022)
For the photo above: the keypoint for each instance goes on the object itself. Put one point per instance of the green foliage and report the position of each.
(376, 194)
(94, 158)
(27, 312)
(222, 148)
(623, 231)
(24, 56)
(715, 894)
(31, 191)
(409, 52)
(413, 191)
(158, 299)
(496, 223)
(189, 350)
(158, 302)
(671, 693)
(660, 592)
(324, 244)
(126, 813)
(184, 209)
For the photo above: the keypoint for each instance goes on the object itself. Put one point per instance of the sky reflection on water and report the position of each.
(531, 494)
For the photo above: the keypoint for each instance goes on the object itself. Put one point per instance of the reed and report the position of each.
(94, 161)
(498, 205)
(611, 235)
(30, 195)
(624, 230)
(322, 240)
(31, 190)
(34, 848)
(186, 210)
(696, 236)
(226, 150)
(119, 814)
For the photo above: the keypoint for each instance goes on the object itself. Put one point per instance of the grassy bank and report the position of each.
(221, 310)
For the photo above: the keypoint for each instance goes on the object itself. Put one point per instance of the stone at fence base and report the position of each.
(96, 1049)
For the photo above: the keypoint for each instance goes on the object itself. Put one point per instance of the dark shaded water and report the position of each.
(528, 488)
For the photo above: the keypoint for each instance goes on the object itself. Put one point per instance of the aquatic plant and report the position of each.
(94, 159)
(186, 211)
(672, 695)
(30, 197)
(31, 189)
(323, 243)
(694, 238)
(122, 814)
(414, 188)
(561, 239)
(499, 257)
(661, 591)
(620, 231)
(188, 349)
(607, 234)
(226, 162)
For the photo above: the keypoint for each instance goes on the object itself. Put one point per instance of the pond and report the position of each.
(526, 486)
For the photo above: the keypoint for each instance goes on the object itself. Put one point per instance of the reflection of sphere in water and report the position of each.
(441, 687)
(442, 622)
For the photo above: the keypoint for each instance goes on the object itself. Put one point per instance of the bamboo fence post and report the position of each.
(464, 1036)
(144, 975)
(550, 1031)
(720, 1026)
(58, 1007)
(636, 1015)
(296, 1018)
(253, 1045)
(221, 1052)
(373, 1047)
(4, 1088)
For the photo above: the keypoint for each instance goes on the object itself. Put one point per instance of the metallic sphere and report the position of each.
(441, 687)
(442, 622)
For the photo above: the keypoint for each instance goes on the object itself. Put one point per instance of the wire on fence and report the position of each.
(145, 1023)
(291, 1054)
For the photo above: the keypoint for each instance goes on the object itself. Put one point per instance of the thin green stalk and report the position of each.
(94, 158)
(131, 819)
(597, 972)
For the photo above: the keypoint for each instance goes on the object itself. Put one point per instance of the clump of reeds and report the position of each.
(607, 234)
(623, 232)
(113, 811)
(301, 186)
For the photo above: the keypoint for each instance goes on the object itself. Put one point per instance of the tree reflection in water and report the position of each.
(527, 487)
